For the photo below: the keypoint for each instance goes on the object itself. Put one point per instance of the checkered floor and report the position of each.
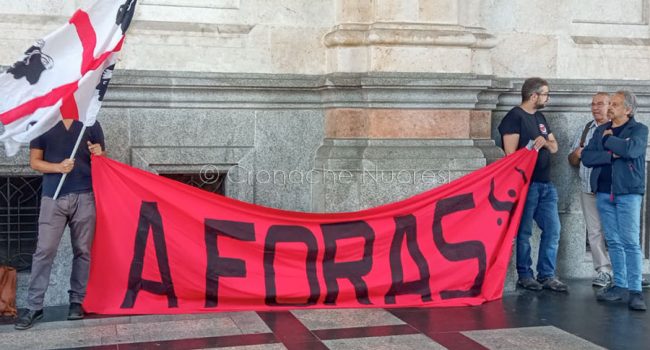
(522, 320)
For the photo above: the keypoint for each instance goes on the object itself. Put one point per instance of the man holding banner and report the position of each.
(50, 99)
(74, 206)
(521, 124)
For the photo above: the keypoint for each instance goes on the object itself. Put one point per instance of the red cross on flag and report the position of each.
(65, 74)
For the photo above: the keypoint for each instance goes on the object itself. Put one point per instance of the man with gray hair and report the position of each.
(617, 155)
(595, 236)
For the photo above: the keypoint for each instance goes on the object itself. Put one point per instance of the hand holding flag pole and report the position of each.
(74, 153)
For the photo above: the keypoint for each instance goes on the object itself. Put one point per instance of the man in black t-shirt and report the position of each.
(75, 207)
(522, 124)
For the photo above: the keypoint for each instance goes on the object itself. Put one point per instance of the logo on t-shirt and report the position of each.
(542, 129)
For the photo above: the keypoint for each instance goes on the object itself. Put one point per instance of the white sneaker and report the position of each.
(602, 280)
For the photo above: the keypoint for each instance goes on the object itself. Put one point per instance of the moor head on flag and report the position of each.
(101, 88)
(33, 64)
(125, 15)
(65, 75)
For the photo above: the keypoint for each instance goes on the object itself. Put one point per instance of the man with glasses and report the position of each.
(521, 125)
(602, 265)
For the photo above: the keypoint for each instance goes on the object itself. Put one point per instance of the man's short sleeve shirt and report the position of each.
(57, 144)
(529, 127)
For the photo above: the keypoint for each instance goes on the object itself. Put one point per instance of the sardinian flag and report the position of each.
(65, 74)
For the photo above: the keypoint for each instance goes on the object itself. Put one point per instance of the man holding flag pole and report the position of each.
(74, 206)
(50, 98)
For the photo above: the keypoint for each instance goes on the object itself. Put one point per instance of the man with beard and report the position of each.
(521, 125)
(617, 154)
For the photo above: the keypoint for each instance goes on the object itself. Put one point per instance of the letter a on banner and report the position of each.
(150, 221)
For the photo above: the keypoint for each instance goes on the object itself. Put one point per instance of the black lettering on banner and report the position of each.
(523, 175)
(149, 218)
(459, 251)
(351, 270)
(406, 228)
(499, 205)
(283, 234)
(496, 204)
(218, 266)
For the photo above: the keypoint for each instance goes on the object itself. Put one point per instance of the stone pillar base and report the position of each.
(355, 174)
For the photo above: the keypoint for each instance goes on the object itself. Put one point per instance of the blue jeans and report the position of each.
(621, 218)
(541, 206)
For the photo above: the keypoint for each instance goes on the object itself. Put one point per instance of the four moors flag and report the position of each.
(65, 74)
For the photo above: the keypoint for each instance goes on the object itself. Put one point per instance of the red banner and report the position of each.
(165, 247)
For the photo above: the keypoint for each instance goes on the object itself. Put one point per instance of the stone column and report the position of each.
(419, 104)
(390, 136)
(408, 36)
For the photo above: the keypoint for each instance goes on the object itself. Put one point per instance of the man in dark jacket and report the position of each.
(617, 154)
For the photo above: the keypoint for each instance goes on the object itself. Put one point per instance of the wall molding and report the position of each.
(157, 89)
(410, 34)
(208, 4)
(643, 21)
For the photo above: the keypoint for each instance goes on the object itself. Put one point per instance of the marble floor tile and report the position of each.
(253, 347)
(540, 338)
(249, 322)
(345, 318)
(36, 338)
(170, 330)
(396, 342)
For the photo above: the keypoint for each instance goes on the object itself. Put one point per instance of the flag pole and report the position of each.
(74, 152)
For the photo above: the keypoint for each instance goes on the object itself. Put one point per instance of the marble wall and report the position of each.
(266, 90)
(556, 39)
(270, 131)
(569, 39)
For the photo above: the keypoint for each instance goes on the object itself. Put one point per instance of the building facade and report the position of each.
(336, 105)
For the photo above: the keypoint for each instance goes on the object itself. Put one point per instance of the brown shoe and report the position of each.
(554, 284)
(529, 283)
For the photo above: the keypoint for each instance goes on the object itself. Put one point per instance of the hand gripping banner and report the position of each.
(165, 247)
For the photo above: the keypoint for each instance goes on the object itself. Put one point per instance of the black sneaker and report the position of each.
(76, 312)
(529, 283)
(612, 293)
(554, 284)
(645, 283)
(28, 319)
(636, 302)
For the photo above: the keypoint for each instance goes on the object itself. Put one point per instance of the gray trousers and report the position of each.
(78, 211)
(595, 233)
